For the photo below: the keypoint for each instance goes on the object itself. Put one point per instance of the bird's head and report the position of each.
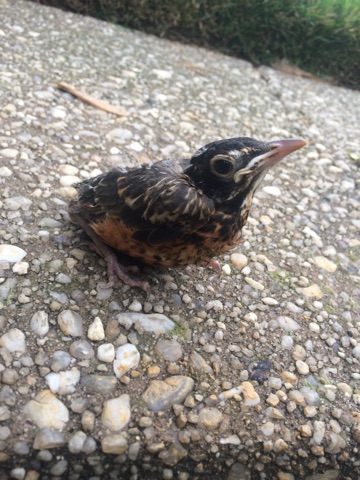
(234, 167)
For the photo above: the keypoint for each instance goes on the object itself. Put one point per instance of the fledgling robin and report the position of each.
(173, 212)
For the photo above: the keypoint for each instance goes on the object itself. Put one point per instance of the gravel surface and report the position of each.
(251, 374)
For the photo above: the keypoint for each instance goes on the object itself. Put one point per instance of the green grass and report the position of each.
(319, 36)
(178, 331)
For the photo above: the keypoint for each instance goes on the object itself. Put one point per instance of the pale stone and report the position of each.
(47, 411)
(226, 269)
(5, 172)
(67, 192)
(254, 284)
(63, 383)
(66, 169)
(280, 446)
(210, 418)
(319, 432)
(21, 268)
(272, 190)
(58, 112)
(273, 412)
(70, 323)
(153, 322)
(314, 236)
(116, 413)
(115, 444)
(302, 367)
(335, 443)
(289, 377)
(9, 152)
(106, 352)
(238, 260)
(326, 264)
(305, 431)
(14, 341)
(39, 323)
(231, 440)
(310, 411)
(47, 438)
(272, 400)
(267, 428)
(288, 324)
(313, 291)
(11, 253)
(161, 395)
(127, 357)
(69, 180)
(251, 397)
(76, 442)
(96, 330)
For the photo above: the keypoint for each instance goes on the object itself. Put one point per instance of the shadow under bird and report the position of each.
(176, 212)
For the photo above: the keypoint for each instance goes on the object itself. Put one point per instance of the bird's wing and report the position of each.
(159, 204)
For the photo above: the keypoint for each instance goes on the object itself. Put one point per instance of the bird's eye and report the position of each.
(223, 166)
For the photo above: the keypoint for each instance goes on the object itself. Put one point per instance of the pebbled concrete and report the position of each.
(290, 312)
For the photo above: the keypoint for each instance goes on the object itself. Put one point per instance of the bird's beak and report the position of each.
(279, 150)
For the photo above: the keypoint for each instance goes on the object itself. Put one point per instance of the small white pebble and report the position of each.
(272, 190)
(21, 268)
(114, 151)
(96, 330)
(106, 352)
(39, 323)
(270, 301)
(69, 180)
(302, 367)
(11, 253)
(239, 260)
(246, 270)
(226, 269)
(254, 284)
(314, 327)
(135, 306)
(5, 172)
(251, 317)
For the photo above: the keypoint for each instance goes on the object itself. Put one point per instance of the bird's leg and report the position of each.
(214, 264)
(114, 269)
(96, 249)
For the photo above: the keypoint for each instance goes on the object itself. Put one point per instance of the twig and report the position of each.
(95, 102)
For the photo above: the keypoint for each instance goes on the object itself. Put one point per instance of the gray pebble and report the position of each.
(169, 350)
(319, 432)
(70, 323)
(39, 323)
(103, 384)
(18, 473)
(311, 397)
(59, 468)
(76, 442)
(47, 438)
(14, 341)
(82, 350)
(210, 418)
(161, 395)
(89, 445)
(59, 361)
(63, 278)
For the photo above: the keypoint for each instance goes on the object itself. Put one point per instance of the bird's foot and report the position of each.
(117, 271)
(213, 264)
(107, 253)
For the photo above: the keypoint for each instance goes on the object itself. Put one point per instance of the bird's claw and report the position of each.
(116, 271)
(213, 264)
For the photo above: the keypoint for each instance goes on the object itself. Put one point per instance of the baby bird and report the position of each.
(176, 212)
